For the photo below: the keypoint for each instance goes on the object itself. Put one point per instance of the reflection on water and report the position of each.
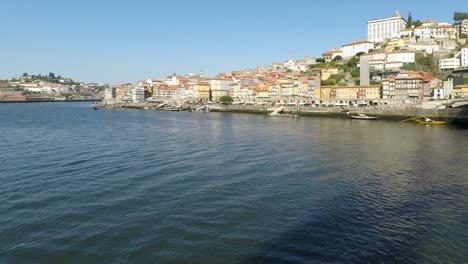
(143, 186)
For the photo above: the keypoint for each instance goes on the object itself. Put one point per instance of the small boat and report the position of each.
(203, 108)
(96, 106)
(173, 108)
(428, 121)
(363, 117)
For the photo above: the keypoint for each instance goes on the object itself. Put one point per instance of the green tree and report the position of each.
(459, 16)
(338, 58)
(355, 72)
(25, 74)
(51, 75)
(417, 23)
(352, 62)
(409, 21)
(329, 82)
(408, 66)
(226, 99)
(320, 60)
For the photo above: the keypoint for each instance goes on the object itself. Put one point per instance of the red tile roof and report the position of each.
(356, 42)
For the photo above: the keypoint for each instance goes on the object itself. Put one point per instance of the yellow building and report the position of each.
(327, 72)
(263, 90)
(201, 90)
(460, 91)
(364, 92)
(393, 44)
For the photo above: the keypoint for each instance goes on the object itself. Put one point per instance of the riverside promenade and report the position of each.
(451, 115)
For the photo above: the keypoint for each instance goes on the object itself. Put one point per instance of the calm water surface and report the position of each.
(129, 186)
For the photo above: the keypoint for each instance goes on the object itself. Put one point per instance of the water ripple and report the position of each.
(126, 186)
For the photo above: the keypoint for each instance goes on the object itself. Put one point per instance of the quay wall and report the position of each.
(457, 115)
(451, 115)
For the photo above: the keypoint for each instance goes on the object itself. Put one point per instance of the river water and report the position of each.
(132, 186)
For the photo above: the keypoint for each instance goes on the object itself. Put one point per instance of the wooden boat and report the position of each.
(428, 121)
(363, 117)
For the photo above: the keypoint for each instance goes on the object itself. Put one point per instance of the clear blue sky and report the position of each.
(124, 41)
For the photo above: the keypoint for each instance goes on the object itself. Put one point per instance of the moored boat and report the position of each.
(428, 121)
(173, 108)
(96, 106)
(362, 117)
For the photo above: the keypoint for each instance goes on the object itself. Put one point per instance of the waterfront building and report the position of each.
(314, 83)
(449, 84)
(409, 86)
(261, 90)
(201, 90)
(219, 87)
(124, 92)
(329, 55)
(307, 85)
(274, 89)
(378, 30)
(110, 93)
(438, 93)
(348, 93)
(138, 94)
(287, 89)
(460, 91)
(352, 48)
(464, 57)
(303, 87)
(388, 87)
(235, 90)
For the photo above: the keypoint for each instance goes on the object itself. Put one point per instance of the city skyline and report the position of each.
(119, 41)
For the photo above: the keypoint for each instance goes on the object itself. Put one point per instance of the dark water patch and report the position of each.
(120, 186)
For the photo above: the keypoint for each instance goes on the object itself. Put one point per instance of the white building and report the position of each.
(138, 94)
(380, 29)
(401, 56)
(464, 57)
(433, 29)
(329, 55)
(351, 49)
(449, 64)
(110, 93)
(448, 88)
(438, 93)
